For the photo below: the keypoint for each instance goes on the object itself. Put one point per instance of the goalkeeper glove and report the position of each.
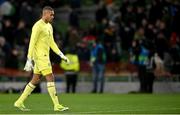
(29, 65)
(64, 58)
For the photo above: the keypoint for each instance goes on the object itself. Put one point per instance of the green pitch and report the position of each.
(96, 104)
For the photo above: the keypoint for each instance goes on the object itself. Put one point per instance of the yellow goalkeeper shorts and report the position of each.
(42, 67)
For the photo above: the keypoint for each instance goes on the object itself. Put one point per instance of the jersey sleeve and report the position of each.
(33, 40)
(53, 44)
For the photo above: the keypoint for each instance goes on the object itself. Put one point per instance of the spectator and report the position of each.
(8, 30)
(20, 33)
(156, 11)
(175, 53)
(140, 15)
(126, 34)
(123, 8)
(175, 9)
(130, 15)
(110, 33)
(5, 49)
(150, 77)
(6, 8)
(114, 56)
(72, 37)
(139, 57)
(159, 70)
(101, 12)
(71, 71)
(139, 34)
(98, 61)
(74, 18)
(161, 44)
(25, 12)
(12, 60)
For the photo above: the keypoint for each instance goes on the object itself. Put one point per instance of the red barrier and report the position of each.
(14, 73)
(112, 69)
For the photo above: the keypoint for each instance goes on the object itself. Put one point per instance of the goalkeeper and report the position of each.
(40, 43)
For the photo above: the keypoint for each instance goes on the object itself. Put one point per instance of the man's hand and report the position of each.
(65, 59)
(29, 65)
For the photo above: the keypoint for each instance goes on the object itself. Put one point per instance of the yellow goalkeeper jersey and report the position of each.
(41, 41)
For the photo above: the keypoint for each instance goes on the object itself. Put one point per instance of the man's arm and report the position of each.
(34, 36)
(53, 45)
(33, 40)
(55, 48)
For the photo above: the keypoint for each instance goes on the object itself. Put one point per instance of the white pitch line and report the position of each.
(128, 110)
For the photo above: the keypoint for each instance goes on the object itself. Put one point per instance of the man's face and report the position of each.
(49, 16)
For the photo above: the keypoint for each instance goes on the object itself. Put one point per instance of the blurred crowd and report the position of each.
(152, 23)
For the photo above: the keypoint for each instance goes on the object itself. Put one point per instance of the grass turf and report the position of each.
(96, 104)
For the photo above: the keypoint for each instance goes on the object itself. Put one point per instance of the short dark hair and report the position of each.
(48, 8)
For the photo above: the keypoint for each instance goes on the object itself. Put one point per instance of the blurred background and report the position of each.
(131, 32)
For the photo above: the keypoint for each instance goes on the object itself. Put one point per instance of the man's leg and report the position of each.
(74, 82)
(67, 83)
(101, 77)
(95, 78)
(27, 91)
(141, 75)
(53, 94)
